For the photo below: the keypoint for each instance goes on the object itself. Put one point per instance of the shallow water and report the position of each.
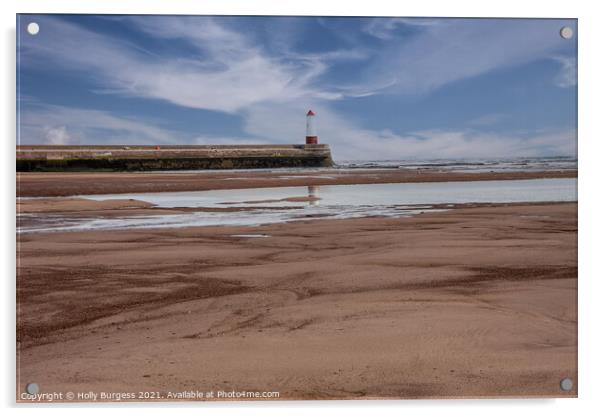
(530, 190)
(299, 203)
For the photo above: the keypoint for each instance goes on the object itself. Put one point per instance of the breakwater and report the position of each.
(141, 158)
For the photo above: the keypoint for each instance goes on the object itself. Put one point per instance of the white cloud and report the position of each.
(269, 123)
(352, 142)
(228, 72)
(382, 28)
(385, 28)
(57, 135)
(49, 124)
(567, 77)
(458, 49)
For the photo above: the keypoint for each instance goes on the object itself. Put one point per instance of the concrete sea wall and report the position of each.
(140, 158)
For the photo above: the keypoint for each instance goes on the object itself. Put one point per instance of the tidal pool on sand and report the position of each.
(272, 205)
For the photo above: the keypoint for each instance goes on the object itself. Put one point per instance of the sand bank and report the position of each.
(472, 302)
(67, 184)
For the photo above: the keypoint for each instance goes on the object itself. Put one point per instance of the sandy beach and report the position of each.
(472, 302)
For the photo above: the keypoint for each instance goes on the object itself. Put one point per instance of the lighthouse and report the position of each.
(311, 137)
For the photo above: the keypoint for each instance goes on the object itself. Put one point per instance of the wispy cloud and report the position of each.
(50, 124)
(351, 142)
(228, 74)
(230, 71)
(458, 49)
(567, 77)
(386, 29)
(57, 135)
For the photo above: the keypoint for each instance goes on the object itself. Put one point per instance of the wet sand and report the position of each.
(472, 302)
(36, 211)
(69, 183)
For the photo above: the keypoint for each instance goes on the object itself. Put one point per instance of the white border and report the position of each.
(590, 347)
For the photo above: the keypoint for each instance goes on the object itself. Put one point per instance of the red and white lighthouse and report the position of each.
(311, 137)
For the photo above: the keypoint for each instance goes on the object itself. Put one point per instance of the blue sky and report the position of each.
(382, 88)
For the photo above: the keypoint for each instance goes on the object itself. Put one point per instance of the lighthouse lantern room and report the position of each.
(311, 136)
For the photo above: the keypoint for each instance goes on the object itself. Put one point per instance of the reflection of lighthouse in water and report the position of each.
(313, 194)
(311, 137)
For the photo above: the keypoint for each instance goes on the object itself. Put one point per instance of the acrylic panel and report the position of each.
(224, 208)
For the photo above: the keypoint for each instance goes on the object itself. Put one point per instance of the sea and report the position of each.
(469, 165)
